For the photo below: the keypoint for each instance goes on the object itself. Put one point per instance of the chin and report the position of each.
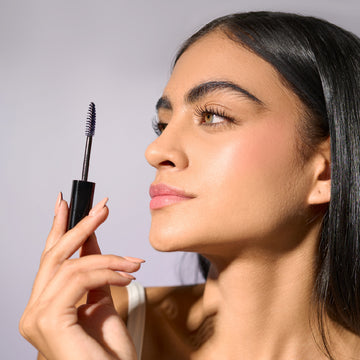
(165, 241)
(193, 238)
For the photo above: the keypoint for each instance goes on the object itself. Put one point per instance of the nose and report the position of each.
(168, 150)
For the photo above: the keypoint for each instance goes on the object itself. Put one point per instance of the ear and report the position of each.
(321, 189)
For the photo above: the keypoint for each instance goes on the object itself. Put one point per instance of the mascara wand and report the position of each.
(89, 133)
(82, 192)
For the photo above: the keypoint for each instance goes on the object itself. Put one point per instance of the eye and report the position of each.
(158, 126)
(211, 118)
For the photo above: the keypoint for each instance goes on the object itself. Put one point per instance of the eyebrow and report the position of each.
(200, 91)
(206, 88)
(163, 103)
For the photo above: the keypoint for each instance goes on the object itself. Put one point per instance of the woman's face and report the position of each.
(230, 150)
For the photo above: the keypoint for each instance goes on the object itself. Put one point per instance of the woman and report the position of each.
(258, 171)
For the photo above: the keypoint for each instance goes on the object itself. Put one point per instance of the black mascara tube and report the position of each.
(82, 193)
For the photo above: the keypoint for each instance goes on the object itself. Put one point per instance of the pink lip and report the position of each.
(164, 195)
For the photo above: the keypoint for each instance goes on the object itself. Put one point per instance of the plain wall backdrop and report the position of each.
(56, 57)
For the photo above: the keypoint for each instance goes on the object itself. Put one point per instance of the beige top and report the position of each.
(136, 315)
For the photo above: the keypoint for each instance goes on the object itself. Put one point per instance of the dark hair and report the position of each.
(320, 63)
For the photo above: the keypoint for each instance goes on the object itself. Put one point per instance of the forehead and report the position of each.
(215, 57)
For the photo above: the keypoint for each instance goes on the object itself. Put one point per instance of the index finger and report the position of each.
(59, 225)
(76, 237)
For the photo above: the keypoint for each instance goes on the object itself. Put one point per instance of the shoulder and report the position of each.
(165, 299)
(172, 314)
(179, 294)
(176, 306)
(120, 298)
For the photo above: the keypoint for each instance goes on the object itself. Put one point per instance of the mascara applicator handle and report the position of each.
(82, 192)
(82, 195)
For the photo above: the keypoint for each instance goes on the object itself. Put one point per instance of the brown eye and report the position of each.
(210, 118)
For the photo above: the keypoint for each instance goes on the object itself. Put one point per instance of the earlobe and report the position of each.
(321, 193)
(321, 190)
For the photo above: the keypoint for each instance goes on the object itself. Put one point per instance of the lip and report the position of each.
(164, 195)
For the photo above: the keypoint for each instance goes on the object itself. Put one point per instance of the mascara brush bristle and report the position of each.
(91, 120)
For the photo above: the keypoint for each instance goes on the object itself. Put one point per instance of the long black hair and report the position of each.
(320, 63)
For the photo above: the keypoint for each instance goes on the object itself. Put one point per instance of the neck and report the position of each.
(260, 303)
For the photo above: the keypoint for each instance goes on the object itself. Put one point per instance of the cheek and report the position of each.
(252, 179)
(258, 157)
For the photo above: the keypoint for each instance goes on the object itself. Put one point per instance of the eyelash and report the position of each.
(200, 112)
(158, 126)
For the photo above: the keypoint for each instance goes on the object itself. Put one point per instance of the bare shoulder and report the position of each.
(120, 298)
(171, 318)
(156, 295)
(173, 315)
(167, 299)
(177, 306)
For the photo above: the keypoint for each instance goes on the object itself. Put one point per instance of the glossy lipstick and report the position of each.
(164, 195)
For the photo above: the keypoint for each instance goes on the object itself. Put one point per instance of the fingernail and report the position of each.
(98, 207)
(134, 259)
(126, 275)
(58, 202)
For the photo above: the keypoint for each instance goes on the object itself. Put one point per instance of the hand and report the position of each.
(51, 320)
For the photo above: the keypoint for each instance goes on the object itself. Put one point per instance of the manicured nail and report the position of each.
(58, 202)
(134, 259)
(98, 207)
(126, 275)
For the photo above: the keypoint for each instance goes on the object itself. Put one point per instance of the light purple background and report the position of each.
(56, 57)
